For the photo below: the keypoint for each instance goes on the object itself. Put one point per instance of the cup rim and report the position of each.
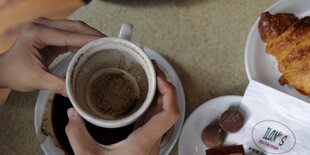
(122, 121)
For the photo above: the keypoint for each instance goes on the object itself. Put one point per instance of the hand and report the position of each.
(145, 140)
(24, 66)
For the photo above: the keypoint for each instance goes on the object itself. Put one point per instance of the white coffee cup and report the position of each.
(104, 56)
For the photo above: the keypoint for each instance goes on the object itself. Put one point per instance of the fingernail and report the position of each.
(70, 113)
(64, 93)
(160, 78)
(59, 90)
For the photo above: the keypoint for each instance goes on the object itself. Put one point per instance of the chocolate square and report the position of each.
(226, 150)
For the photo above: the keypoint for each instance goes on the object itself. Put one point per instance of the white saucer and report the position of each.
(190, 142)
(169, 141)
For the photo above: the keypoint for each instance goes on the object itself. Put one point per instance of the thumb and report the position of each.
(79, 138)
(55, 84)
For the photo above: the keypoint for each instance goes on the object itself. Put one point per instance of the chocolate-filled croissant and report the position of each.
(288, 40)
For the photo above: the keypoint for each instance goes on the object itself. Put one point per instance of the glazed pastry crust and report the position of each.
(290, 45)
(271, 26)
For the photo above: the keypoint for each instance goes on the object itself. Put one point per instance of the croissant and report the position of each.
(288, 40)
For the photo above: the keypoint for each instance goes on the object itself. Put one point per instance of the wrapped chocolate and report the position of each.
(276, 123)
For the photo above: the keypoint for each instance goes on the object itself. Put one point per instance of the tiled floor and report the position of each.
(15, 13)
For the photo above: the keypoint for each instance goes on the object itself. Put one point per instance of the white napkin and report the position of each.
(276, 123)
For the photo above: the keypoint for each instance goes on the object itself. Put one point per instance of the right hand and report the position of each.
(145, 140)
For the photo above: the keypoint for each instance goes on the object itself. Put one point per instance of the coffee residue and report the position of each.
(46, 128)
(114, 94)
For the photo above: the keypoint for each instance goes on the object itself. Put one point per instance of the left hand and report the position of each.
(24, 66)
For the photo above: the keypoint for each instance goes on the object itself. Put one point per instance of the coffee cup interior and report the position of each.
(110, 81)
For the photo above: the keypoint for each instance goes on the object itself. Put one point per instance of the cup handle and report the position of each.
(125, 31)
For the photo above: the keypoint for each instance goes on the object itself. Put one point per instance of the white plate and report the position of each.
(48, 145)
(263, 67)
(190, 142)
